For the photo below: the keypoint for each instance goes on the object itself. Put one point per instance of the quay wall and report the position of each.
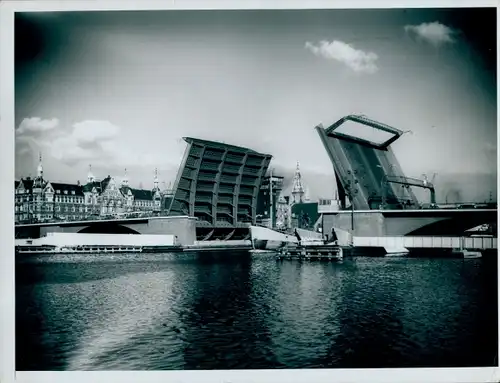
(223, 244)
(78, 239)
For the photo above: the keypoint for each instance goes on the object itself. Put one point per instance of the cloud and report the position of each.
(491, 147)
(434, 33)
(356, 59)
(36, 124)
(92, 131)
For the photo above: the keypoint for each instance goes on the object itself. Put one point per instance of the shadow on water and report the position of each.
(224, 328)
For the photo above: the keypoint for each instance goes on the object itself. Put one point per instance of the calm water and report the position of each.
(241, 311)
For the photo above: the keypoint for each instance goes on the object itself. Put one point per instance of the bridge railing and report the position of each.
(428, 242)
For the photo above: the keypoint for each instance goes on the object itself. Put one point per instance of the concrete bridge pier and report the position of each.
(183, 227)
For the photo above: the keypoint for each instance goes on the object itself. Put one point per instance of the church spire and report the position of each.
(298, 189)
(125, 179)
(156, 187)
(39, 170)
(90, 176)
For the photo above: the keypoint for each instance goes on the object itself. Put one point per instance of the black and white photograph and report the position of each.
(252, 190)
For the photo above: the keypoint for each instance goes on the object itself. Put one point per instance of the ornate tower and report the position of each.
(38, 181)
(157, 197)
(155, 181)
(39, 170)
(298, 189)
(125, 179)
(90, 176)
(38, 185)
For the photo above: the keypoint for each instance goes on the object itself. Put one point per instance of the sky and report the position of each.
(120, 89)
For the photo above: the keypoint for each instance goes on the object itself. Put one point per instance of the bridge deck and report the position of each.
(481, 243)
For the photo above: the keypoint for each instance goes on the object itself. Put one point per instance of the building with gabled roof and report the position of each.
(39, 200)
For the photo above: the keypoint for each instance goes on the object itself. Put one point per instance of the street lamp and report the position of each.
(351, 191)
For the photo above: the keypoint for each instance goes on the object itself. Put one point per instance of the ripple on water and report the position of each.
(167, 311)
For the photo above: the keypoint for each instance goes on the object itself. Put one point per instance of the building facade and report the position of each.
(39, 200)
(268, 201)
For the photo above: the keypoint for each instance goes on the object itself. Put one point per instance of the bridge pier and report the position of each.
(183, 227)
(378, 223)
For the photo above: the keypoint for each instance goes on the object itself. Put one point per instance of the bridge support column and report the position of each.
(183, 227)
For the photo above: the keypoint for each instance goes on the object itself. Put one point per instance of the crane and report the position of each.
(412, 182)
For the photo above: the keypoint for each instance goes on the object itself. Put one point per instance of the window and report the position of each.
(73, 192)
(58, 192)
(65, 192)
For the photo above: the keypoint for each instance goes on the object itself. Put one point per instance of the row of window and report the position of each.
(25, 217)
(78, 200)
(24, 191)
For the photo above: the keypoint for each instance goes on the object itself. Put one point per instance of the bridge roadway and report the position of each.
(426, 222)
(365, 164)
(187, 229)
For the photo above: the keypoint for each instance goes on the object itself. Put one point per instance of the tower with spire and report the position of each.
(297, 190)
(38, 181)
(157, 198)
(125, 179)
(156, 183)
(90, 176)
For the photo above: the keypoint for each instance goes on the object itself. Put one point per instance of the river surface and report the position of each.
(243, 311)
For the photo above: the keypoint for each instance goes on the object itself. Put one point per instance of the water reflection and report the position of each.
(235, 310)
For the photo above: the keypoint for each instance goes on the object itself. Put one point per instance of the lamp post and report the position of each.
(350, 193)
(271, 197)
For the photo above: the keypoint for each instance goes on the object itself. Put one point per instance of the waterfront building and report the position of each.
(40, 200)
(283, 212)
(268, 201)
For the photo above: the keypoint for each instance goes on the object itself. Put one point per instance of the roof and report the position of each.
(142, 194)
(28, 183)
(221, 145)
(78, 189)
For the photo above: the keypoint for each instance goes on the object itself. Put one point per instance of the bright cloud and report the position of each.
(356, 59)
(491, 147)
(91, 131)
(92, 141)
(36, 124)
(434, 33)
